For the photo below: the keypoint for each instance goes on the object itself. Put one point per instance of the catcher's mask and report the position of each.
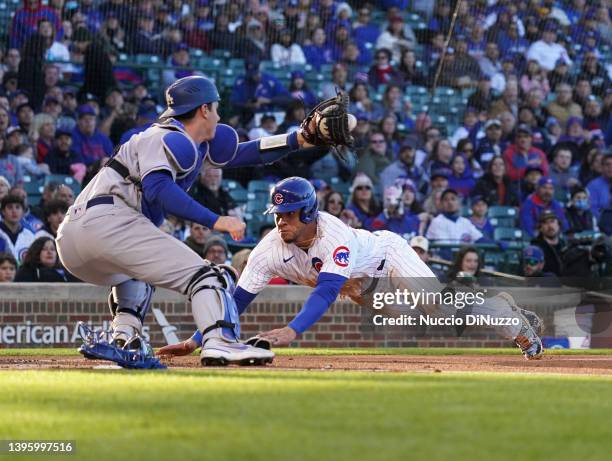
(292, 194)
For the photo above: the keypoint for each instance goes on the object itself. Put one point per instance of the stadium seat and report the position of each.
(64, 179)
(507, 233)
(502, 216)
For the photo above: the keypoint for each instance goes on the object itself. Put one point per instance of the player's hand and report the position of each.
(176, 350)
(233, 226)
(280, 336)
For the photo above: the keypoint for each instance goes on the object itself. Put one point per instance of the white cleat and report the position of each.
(217, 352)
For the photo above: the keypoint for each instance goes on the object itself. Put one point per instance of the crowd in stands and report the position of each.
(527, 83)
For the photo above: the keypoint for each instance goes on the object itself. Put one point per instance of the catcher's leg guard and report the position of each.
(216, 316)
(129, 302)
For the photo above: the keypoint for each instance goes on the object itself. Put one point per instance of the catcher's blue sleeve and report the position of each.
(242, 297)
(161, 190)
(327, 290)
(250, 153)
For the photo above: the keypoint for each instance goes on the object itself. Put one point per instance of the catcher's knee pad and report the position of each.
(131, 297)
(214, 309)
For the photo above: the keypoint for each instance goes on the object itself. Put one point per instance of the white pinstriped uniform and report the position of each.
(272, 257)
(365, 251)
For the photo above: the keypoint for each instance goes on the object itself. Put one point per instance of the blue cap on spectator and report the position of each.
(524, 128)
(573, 119)
(181, 47)
(545, 180)
(560, 62)
(318, 184)
(251, 65)
(203, 2)
(439, 173)
(293, 3)
(362, 116)
(85, 109)
(531, 168)
(21, 106)
(406, 184)
(62, 131)
(550, 27)
(297, 74)
(408, 143)
(533, 252)
(551, 121)
(69, 90)
(16, 93)
(485, 77)
(478, 198)
(147, 111)
(50, 100)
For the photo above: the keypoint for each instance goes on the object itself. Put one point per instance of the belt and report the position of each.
(102, 200)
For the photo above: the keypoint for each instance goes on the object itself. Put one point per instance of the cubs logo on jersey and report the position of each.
(341, 256)
(278, 199)
(317, 264)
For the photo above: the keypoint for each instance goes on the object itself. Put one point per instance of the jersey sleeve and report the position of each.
(338, 250)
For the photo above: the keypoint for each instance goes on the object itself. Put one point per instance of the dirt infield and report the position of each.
(574, 364)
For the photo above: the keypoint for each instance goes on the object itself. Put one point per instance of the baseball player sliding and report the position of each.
(111, 234)
(313, 248)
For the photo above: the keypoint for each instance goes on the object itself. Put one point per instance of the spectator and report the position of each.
(404, 168)
(208, 192)
(267, 127)
(43, 132)
(333, 203)
(198, 234)
(449, 226)
(562, 108)
(395, 217)
(550, 241)
(465, 264)
(508, 123)
(490, 64)
(257, 91)
(62, 159)
(299, 90)
(98, 69)
(469, 129)
(193, 36)
(339, 81)
(318, 52)
(421, 247)
(440, 157)
(8, 267)
(5, 186)
(482, 98)
(255, 42)
(490, 145)
(408, 72)
(363, 203)
(382, 73)
(65, 194)
(533, 262)
(560, 74)
(31, 75)
(10, 167)
(594, 72)
(180, 65)
(114, 34)
(394, 39)
(461, 179)
(465, 69)
(287, 52)
(221, 37)
(89, 143)
(495, 186)
(17, 239)
(599, 188)
(360, 100)
(538, 202)
(522, 154)
(562, 173)
(29, 220)
(438, 184)
(26, 19)
(25, 156)
(554, 130)
(55, 50)
(479, 216)
(507, 103)
(144, 40)
(215, 250)
(546, 51)
(363, 31)
(578, 212)
(55, 211)
(534, 77)
(38, 210)
(374, 160)
(41, 264)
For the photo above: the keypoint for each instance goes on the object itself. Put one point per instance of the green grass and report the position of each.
(355, 351)
(263, 415)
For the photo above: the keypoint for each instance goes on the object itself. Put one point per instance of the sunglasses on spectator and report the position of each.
(377, 141)
(336, 202)
(363, 187)
(532, 262)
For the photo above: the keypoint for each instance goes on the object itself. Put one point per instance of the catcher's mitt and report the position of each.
(328, 125)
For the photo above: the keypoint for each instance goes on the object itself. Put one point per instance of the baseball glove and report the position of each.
(328, 125)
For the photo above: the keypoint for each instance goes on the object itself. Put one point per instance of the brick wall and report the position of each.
(54, 309)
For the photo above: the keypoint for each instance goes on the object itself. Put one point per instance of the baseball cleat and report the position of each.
(534, 320)
(217, 352)
(261, 343)
(528, 341)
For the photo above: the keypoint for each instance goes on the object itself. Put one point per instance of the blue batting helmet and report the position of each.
(187, 93)
(292, 194)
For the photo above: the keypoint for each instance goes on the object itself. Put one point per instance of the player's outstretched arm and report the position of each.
(325, 293)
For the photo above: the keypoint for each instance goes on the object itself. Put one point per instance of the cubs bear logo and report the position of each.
(341, 256)
(278, 199)
(317, 264)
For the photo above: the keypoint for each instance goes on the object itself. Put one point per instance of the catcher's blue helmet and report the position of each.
(187, 93)
(292, 194)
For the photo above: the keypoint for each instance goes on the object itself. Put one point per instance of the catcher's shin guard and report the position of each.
(129, 303)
